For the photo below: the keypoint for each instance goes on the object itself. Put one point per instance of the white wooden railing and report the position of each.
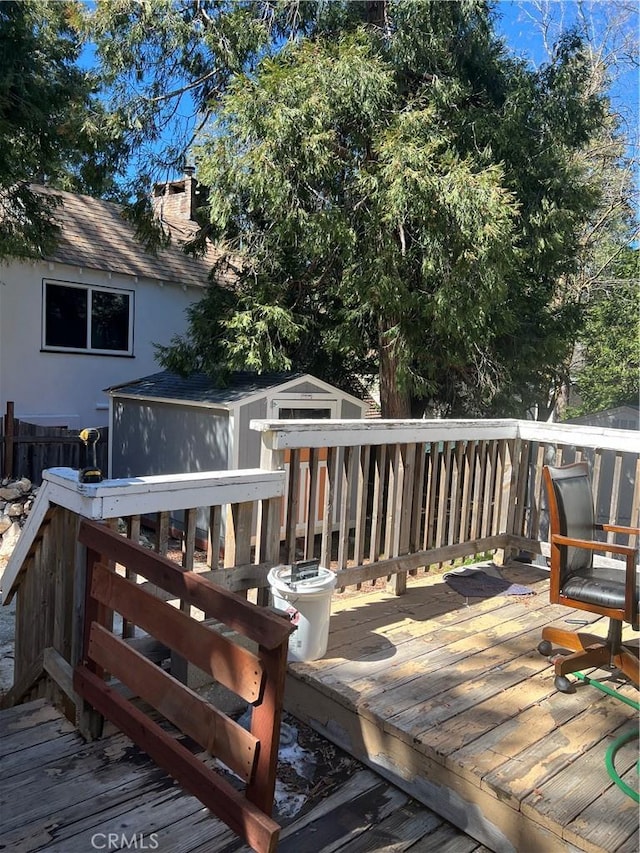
(398, 495)
(371, 499)
(47, 569)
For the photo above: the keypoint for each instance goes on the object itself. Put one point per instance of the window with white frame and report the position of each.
(82, 318)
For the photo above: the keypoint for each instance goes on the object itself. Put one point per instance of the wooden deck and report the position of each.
(61, 795)
(452, 702)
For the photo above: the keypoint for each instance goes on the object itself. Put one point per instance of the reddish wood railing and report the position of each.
(258, 677)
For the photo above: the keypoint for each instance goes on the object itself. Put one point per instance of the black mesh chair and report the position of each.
(576, 582)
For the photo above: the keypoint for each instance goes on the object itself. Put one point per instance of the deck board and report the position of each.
(465, 744)
(59, 792)
(449, 698)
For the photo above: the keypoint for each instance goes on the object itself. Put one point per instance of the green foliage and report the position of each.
(610, 341)
(52, 126)
(397, 191)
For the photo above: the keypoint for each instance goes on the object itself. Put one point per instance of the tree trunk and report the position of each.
(394, 402)
(376, 13)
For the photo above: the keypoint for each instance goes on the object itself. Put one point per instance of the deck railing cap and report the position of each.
(291, 434)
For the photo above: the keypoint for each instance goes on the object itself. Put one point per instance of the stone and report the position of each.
(9, 540)
(10, 493)
(14, 510)
(23, 484)
(5, 523)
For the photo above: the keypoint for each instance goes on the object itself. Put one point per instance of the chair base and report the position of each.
(588, 650)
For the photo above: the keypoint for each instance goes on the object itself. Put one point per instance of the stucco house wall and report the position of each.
(54, 388)
(51, 377)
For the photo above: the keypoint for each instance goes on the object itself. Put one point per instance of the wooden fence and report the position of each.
(28, 449)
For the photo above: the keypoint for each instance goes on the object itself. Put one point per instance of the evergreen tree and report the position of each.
(395, 190)
(53, 128)
(608, 371)
(602, 270)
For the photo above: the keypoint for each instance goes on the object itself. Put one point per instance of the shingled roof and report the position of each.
(199, 388)
(94, 235)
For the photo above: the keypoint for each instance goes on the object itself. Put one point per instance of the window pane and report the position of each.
(65, 317)
(298, 414)
(109, 321)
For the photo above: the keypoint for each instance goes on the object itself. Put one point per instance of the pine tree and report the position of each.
(53, 128)
(395, 190)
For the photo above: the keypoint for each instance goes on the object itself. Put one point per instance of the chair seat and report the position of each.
(603, 587)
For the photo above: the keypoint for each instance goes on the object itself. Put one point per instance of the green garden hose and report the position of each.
(618, 742)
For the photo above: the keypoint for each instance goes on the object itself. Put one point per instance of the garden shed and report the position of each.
(168, 424)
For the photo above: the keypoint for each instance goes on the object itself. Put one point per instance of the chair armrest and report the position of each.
(592, 545)
(631, 574)
(619, 528)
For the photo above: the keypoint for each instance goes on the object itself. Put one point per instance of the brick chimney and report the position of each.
(177, 199)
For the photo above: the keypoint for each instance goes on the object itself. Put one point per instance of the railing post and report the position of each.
(9, 428)
(265, 725)
(269, 516)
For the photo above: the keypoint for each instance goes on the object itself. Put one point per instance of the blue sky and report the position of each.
(517, 25)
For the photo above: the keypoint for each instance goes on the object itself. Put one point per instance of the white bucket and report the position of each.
(308, 603)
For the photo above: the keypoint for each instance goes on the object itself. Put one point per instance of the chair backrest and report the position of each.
(570, 503)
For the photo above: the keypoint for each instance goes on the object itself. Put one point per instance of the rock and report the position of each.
(9, 539)
(16, 502)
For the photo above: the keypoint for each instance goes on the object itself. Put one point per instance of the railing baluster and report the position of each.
(213, 537)
(391, 529)
(502, 482)
(408, 490)
(430, 498)
(521, 461)
(595, 479)
(346, 497)
(162, 533)
(378, 499)
(489, 480)
(133, 524)
(363, 460)
(417, 501)
(614, 498)
(312, 503)
(401, 520)
(329, 503)
(478, 482)
(291, 510)
(443, 493)
(456, 488)
(467, 480)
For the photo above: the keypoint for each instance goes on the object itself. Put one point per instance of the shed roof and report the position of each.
(200, 388)
(95, 235)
